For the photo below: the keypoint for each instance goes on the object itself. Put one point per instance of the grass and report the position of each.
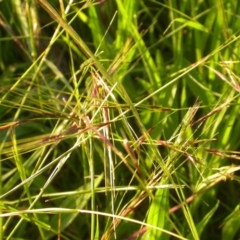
(119, 120)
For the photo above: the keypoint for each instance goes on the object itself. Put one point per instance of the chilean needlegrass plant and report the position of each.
(119, 120)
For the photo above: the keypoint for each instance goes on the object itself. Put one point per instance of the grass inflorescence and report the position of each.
(119, 119)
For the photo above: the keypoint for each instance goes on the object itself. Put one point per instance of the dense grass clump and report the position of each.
(119, 119)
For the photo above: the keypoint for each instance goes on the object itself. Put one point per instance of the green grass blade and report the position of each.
(158, 215)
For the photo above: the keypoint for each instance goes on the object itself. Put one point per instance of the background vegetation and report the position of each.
(119, 119)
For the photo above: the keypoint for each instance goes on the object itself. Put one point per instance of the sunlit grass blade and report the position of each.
(158, 215)
(79, 200)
